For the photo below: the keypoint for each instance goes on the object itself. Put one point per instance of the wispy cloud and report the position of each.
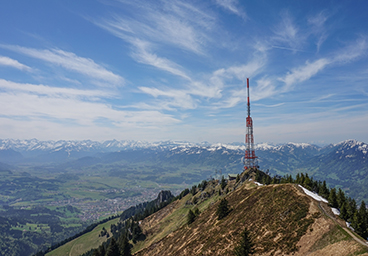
(6, 61)
(352, 51)
(142, 55)
(287, 33)
(303, 73)
(318, 20)
(172, 98)
(211, 89)
(344, 55)
(52, 91)
(172, 23)
(318, 27)
(232, 6)
(234, 76)
(70, 61)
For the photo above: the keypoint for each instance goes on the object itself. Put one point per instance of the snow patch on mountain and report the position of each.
(351, 146)
(300, 145)
(264, 146)
(313, 195)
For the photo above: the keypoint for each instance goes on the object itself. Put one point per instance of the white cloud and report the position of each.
(232, 6)
(81, 109)
(226, 78)
(318, 20)
(143, 55)
(287, 33)
(70, 61)
(172, 23)
(75, 111)
(303, 73)
(318, 27)
(5, 61)
(52, 91)
(352, 51)
(172, 98)
(191, 96)
(265, 89)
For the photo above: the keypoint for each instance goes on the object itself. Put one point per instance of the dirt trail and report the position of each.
(346, 229)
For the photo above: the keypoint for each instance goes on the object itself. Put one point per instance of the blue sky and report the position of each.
(176, 70)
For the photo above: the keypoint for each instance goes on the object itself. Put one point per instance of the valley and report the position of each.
(77, 183)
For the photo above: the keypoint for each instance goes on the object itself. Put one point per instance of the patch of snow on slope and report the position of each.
(258, 184)
(335, 211)
(313, 195)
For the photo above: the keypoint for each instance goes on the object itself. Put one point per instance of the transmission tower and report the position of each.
(250, 159)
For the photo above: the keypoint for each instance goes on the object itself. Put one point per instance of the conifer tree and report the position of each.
(101, 250)
(352, 208)
(340, 197)
(113, 249)
(344, 212)
(190, 217)
(196, 212)
(193, 191)
(323, 191)
(307, 183)
(124, 246)
(223, 183)
(223, 209)
(297, 178)
(96, 252)
(363, 218)
(245, 246)
(302, 178)
(258, 176)
(332, 198)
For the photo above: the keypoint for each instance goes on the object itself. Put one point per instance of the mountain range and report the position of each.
(344, 164)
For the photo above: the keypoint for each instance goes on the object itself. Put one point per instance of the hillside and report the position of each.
(85, 242)
(281, 219)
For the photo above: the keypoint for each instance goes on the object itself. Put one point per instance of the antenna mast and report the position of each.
(250, 159)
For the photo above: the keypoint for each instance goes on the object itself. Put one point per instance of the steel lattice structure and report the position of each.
(250, 158)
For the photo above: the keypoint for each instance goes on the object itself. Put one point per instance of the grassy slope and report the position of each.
(172, 217)
(280, 218)
(83, 243)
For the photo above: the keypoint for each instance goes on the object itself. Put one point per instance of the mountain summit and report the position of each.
(281, 220)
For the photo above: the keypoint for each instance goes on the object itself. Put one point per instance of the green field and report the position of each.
(85, 242)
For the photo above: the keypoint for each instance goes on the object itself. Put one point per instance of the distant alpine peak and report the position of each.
(264, 146)
(349, 145)
(300, 145)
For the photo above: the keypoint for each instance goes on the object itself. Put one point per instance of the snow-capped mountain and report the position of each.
(34, 147)
(351, 149)
(285, 156)
(344, 164)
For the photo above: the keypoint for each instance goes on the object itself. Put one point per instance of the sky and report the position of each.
(176, 70)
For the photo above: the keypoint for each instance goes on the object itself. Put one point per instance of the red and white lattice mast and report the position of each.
(250, 159)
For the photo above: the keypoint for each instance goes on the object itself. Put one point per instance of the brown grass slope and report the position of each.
(281, 219)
